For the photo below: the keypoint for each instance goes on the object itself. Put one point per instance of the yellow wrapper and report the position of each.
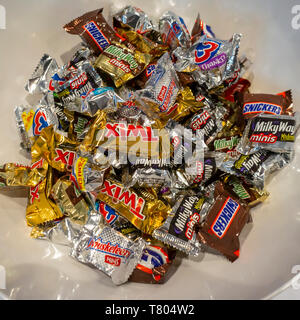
(79, 172)
(88, 177)
(71, 201)
(121, 63)
(56, 149)
(145, 213)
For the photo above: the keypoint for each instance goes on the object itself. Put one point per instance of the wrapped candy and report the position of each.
(135, 18)
(148, 142)
(174, 31)
(108, 250)
(212, 61)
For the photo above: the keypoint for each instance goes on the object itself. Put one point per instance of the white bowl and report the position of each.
(36, 269)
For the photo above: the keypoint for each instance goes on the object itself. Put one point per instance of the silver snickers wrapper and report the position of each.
(160, 90)
(207, 123)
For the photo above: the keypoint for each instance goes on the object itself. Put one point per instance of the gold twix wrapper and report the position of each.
(145, 213)
(56, 149)
(127, 138)
(40, 208)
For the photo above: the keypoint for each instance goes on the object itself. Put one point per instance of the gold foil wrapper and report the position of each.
(233, 123)
(99, 123)
(78, 123)
(260, 196)
(121, 63)
(37, 232)
(71, 201)
(186, 104)
(145, 213)
(40, 208)
(38, 177)
(127, 138)
(15, 175)
(56, 149)
(140, 42)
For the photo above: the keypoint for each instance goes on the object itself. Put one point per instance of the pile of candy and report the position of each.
(148, 142)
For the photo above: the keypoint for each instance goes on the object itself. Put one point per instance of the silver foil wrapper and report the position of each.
(211, 61)
(257, 167)
(147, 173)
(108, 250)
(174, 31)
(25, 141)
(207, 123)
(197, 171)
(100, 99)
(160, 90)
(40, 79)
(185, 143)
(31, 120)
(128, 113)
(88, 175)
(83, 79)
(63, 232)
(136, 18)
